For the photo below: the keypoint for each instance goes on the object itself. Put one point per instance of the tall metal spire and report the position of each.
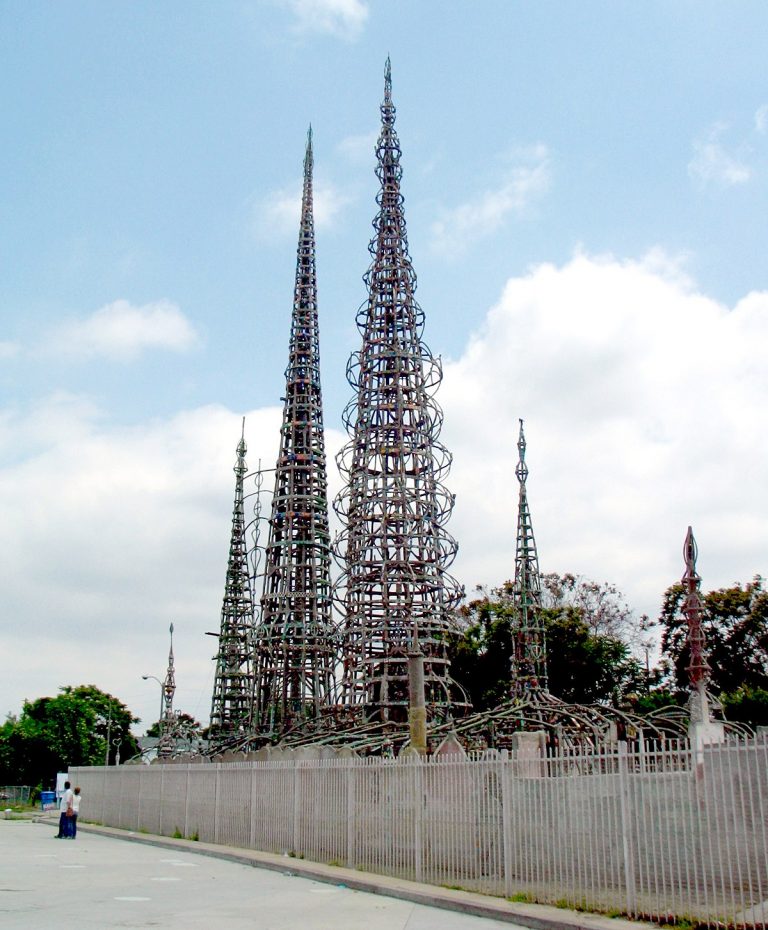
(232, 701)
(394, 550)
(529, 660)
(165, 745)
(295, 636)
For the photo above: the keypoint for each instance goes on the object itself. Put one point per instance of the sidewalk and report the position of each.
(535, 916)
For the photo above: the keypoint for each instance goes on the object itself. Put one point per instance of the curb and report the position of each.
(535, 916)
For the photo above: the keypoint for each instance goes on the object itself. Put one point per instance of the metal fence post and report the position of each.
(138, 802)
(216, 810)
(162, 783)
(186, 802)
(254, 783)
(626, 827)
(505, 771)
(418, 815)
(296, 806)
(350, 814)
(104, 799)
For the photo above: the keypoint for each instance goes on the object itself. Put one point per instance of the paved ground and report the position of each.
(117, 878)
(99, 881)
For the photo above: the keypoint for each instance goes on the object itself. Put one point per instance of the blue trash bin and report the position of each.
(48, 800)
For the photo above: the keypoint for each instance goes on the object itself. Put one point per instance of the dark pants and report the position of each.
(63, 826)
(72, 825)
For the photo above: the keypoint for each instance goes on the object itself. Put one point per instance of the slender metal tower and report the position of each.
(394, 551)
(166, 742)
(295, 639)
(529, 657)
(232, 702)
(698, 667)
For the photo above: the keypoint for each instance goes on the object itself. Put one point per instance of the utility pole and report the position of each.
(109, 732)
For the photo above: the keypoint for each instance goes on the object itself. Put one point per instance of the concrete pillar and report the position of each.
(417, 710)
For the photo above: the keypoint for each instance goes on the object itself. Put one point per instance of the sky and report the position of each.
(585, 191)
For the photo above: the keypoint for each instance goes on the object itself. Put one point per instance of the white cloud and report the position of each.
(109, 534)
(761, 119)
(714, 163)
(121, 331)
(643, 401)
(8, 349)
(526, 180)
(280, 212)
(344, 19)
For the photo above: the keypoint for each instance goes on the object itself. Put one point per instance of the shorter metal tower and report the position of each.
(702, 724)
(529, 655)
(166, 742)
(232, 702)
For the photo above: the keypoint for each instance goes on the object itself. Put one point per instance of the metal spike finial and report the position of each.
(521, 471)
(240, 464)
(690, 554)
(308, 156)
(388, 81)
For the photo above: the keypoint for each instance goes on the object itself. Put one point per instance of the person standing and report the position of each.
(75, 811)
(65, 812)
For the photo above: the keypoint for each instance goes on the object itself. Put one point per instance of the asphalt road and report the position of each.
(100, 882)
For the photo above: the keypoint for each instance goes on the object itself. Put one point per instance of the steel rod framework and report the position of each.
(295, 638)
(231, 706)
(699, 703)
(395, 595)
(166, 741)
(394, 550)
(529, 655)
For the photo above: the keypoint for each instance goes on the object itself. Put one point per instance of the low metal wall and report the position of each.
(665, 835)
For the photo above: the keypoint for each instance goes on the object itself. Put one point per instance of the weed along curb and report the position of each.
(535, 916)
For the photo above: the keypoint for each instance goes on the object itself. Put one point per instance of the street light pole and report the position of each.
(109, 733)
(155, 678)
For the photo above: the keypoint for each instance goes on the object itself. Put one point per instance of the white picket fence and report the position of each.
(666, 835)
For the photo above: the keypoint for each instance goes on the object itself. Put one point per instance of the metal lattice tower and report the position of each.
(698, 667)
(295, 637)
(529, 658)
(394, 551)
(166, 742)
(232, 703)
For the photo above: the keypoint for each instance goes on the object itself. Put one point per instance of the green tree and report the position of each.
(600, 605)
(584, 666)
(480, 654)
(186, 724)
(112, 718)
(747, 705)
(735, 624)
(53, 733)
